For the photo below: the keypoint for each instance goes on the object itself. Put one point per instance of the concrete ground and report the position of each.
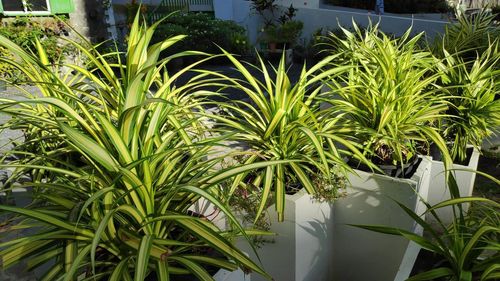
(7, 136)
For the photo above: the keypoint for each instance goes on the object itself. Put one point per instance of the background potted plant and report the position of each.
(470, 81)
(280, 30)
(387, 101)
(281, 121)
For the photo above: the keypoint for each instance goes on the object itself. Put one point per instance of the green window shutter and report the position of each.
(1, 8)
(61, 6)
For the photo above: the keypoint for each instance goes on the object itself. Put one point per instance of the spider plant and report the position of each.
(279, 120)
(469, 37)
(119, 163)
(388, 97)
(468, 248)
(471, 90)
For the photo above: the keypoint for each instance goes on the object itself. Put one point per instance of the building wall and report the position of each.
(89, 19)
(314, 18)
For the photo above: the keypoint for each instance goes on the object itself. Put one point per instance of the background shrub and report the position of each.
(24, 31)
(204, 33)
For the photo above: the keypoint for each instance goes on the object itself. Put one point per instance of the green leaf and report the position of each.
(432, 274)
(230, 172)
(194, 268)
(162, 271)
(40, 216)
(268, 181)
(141, 266)
(119, 270)
(90, 147)
(462, 200)
(77, 263)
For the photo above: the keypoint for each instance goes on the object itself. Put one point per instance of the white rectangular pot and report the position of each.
(237, 275)
(302, 246)
(439, 191)
(360, 254)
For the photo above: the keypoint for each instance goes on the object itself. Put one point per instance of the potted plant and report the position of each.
(466, 249)
(470, 87)
(387, 101)
(281, 121)
(116, 169)
(280, 30)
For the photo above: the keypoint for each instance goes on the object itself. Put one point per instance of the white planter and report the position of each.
(360, 254)
(439, 191)
(213, 214)
(302, 246)
(237, 275)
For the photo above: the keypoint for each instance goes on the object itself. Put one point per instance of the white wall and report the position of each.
(312, 4)
(317, 18)
(223, 9)
(246, 17)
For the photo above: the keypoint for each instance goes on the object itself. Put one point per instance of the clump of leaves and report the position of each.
(388, 99)
(281, 121)
(121, 158)
(471, 90)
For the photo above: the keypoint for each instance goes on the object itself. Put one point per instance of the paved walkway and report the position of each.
(7, 136)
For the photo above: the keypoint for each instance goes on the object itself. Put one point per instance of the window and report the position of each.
(26, 6)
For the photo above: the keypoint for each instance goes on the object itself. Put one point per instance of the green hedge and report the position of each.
(24, 30)
(204, 33)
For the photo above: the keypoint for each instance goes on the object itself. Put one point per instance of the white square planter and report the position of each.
(302, 246)
(439, 191)
(237, 275)
(211, 212)
(360, 254)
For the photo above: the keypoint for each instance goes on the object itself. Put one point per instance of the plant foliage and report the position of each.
(278, 120)
(115, 161)
(388, 98)
(472, 89)
(469, 246)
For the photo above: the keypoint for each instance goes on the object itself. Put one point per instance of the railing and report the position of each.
(168, 6)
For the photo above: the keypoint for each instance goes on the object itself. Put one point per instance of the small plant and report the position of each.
(203, 33)
(468, 248)
(6, 68)
(471, 90)
(469, 38)
(25, 31)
